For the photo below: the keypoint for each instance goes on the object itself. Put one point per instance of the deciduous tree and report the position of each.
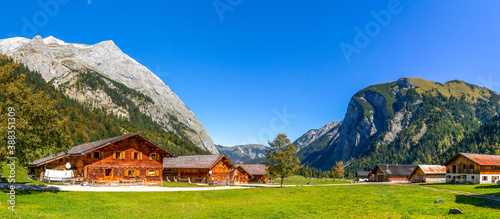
(282, 157)
(338, 170)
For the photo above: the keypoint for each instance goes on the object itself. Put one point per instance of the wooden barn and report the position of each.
(392, 172)
(212, 169)
(258, 171)
(240, 175)
(362, 175)
(126, 157)
(428, 174)
(473, 168)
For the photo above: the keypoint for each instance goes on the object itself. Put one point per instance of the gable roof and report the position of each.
(255, 169)
(241, 169)
(92, 146)
(480, 159)
(195, 161)
(395, 169)
(430, 169)
(47, 159)
(362, 173)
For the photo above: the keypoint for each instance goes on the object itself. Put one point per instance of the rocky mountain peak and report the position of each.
(405, 83)
(53, 40)
(62, 63)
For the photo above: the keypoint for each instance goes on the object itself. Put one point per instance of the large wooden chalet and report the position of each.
(212, 169)
(473, 168)
(428, 173)
(126, 157)
(392, 172)
(258, 171)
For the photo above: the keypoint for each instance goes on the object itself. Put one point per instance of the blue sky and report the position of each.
(270, 67)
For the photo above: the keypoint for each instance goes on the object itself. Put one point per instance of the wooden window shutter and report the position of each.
(114, 155)
(122, 155)
(157, 172)
(132, 155)
(125, 173)
(92, 155)
(150, 154)
(140, 156)
(157, 156)
(147, 172)
(137, 172)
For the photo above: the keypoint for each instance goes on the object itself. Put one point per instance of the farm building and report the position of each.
(126, 157)
(429, 174)
(362, 175)
(392, 172)
(258, 171)
(473, 168)
(240, 175)
(212, 169)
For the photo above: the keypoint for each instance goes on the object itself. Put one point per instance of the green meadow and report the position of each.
(480, 189)
(350, 201)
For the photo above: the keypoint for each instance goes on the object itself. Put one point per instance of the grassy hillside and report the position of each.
(439, 117)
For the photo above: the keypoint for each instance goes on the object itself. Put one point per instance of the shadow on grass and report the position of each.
(488, 187)
(29, 189)
(31, 192)
(478, 201)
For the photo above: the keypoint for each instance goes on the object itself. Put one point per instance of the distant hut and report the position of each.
(212, 169)
(392, 172)
(362, 175)
(258, 171)
(429, 174)
(240, 175)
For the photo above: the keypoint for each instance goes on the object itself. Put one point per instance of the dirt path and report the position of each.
(77, 188)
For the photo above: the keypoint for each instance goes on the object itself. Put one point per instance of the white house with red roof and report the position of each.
(473, 168)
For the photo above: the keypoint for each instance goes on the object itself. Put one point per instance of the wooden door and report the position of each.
(108, 174)
(380, 178)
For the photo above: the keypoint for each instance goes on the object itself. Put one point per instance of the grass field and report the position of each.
(353, 201)
(300, 180)
(480, 189)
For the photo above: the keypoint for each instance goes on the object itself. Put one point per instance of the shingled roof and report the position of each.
(362, 173)
(432, 169)
(48, 158)
(255, 169)
(242, 170)
(194, 161)
(395, 169)
(480, 159)
(91, 146)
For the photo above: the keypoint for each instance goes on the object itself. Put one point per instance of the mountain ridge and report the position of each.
(407, 117)
(63, 64)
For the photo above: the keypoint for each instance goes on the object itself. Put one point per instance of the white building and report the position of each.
(473, 168)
